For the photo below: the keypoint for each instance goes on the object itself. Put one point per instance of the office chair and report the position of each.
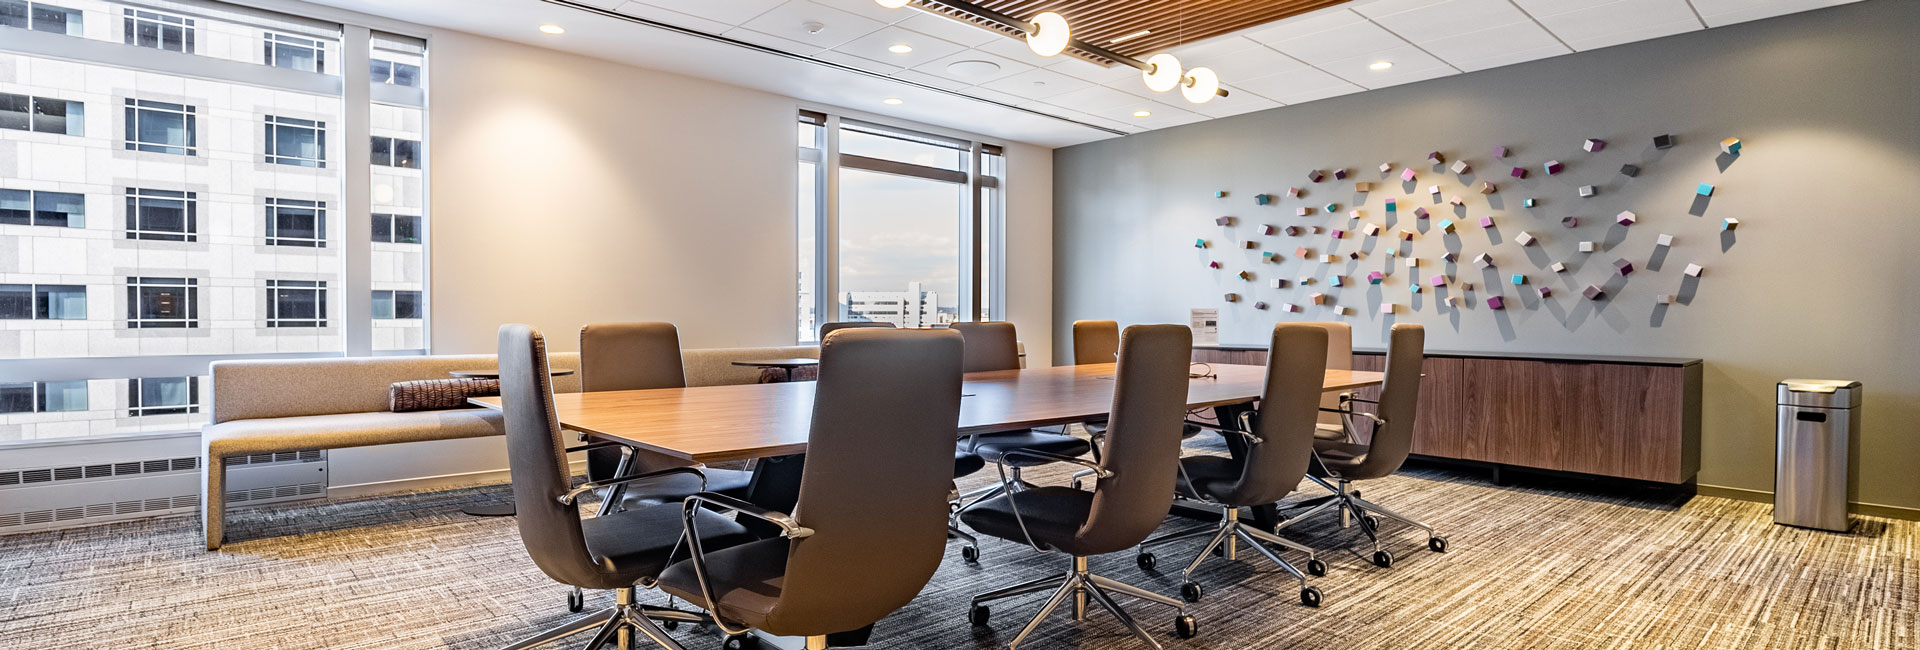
(1132, 492)
(1095, 341)
(1279, 441)
(994, 346)
(869, 528)
(1333, 425)
(1392, 440)
(642, 356)
(829, 328)
(614, 551)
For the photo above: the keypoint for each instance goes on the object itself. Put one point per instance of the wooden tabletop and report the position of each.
(721, 423)
(794, 362)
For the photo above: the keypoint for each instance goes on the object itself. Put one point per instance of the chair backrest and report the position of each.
(1339, 357)
(1289, 405)
(874, 489)
(537, 462)
(1142, 445)
(990, 346)
(630, 356)
(1399, 404)
(1095, 341)
(829, 328)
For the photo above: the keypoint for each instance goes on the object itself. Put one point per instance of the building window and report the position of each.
(396, 228)
(43, 302)
(163, 302)
(296, 303)
(16, 398)
(39, 17)
(42, 114)
(395, 73)
(16, 301)
(44, 397)
(162, 396)
(58, 209)
(297, 223)
(396, 152)
(159, 31)
(162, 215)
(392, 305)
(296, 53)
(296, 142)
(160, 127)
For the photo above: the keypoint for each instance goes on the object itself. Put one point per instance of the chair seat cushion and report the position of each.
(674, 487)
(967, 463)
(746, 580)
(1331, 432)
(341, 430)
(1052, 514)
(1213, 477)
(994, 446)
(637, 541)
(1339, 457)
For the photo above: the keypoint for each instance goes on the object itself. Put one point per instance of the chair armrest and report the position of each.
(1377, 420)
(574, 494)
(597, 445)
(1246, 427)
(789, 528)
(1099, 471)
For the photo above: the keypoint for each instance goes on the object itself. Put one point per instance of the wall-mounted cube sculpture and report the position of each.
(1233, 297)
(1362, 186)
(1483, 260)
(1524, 238)
(1338, 233)
(1664, 240)
(1213, 265)
(1289, 307)
(1455, 301)
(1220, 194)
(1223, 221)
(1356, 213)
(1466, 286)
(1393, 252)
(1303, 252)
(1588, 247)
(1593, 292)
(1246, 275)
(1518, 173)
(1450, 257)
(1332, 208)
(1594, 144)
(1386, 167)
(1439, 280)
(1408, 174)
(1199, 243)
(1277, 283)
(1267, 229)
(1270, 257)
(1318, 298)
(1386, 308)
(1529, 202)
(1629, 171)
(1375, 277)
(1519, 278)
(1329, 259)
(1626, 218)
(1315, 176)
(1664, 299)
(1729, 223)
(1336, 281)
(1570, 222)
(1404, 234)
(1259, 305)
(1730, 146)
(1705, 189)
(1413, 288)
(1293, 192)
(1558, 267)
(1306, 280)
(1420, 212)
(1588, 191)
(1413, 262)
(1496, 302)
(1623, 266)
(1291, 231)
(1446, 226)
(1393, 205)
(1356, 255)
(1340, 174)
(1546, 291)
(1433, 189)
(1250, 245)
(1664, 141)
(1486, 222)
(1436, 158)
(1460, 167)
(1262, 199)
(1694, 270)
(1499, 152)
(1485, 187)
(1456, 200)
(1304, 211)
(1553, 167)
(1371, 229)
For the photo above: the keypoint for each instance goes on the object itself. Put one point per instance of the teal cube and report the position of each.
(1528, 202)
(1705, 189)
(1519, 278)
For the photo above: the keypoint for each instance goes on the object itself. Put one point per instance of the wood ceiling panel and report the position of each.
(1172, 22)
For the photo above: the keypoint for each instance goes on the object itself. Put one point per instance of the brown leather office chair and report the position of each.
(643, 356)
(870, 526)
(829, 328)
(1280, 439)
(615, 551)
(995, 346)
(1333, 425)
(1095, 341)
(1131, 495)
(1393, 420)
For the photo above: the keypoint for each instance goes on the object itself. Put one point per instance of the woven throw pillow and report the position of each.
(438, 394)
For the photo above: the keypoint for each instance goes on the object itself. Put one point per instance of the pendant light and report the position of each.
(894, 4)
(1162, 72)
(1048, 34)
(1201, 85)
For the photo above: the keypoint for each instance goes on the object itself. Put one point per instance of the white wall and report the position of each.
(568, 190)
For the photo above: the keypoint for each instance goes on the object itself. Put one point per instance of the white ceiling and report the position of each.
(1312, 56)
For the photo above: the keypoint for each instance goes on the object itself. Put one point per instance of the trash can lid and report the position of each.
(1829, 393)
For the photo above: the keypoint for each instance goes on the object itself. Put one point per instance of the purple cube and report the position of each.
(1375, 277)
(1594, 145)
(1593, 292)
(1546, 291)
(1570, 222)
(1407, 174)
(1315, 176)
(1339, 234)
(1437, 158)
(1340, 174)
(1554, 167)
(1451, 256)
(1223, 221)
(1499, 152)
(1438, 280)
(1420, 212)
(1496, 302)
(1519, 172)
(1623, 266)
(1292, 231)
(1213, 265)
(1486, 222)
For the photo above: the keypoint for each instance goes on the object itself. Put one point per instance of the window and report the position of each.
(295, 53)
(159, 31)
(16, 398)
(40, 17)
(16, 301)
(296, 303)
(162, 215)
(163, 396)
(296, 142)
(914, 217)
(59, 209)
(396, 228)
(43, 302)
(396, 152)
(43, 397)
(163, 302)
(395, 73)
(296, 223)
(389, 305)
(42, 114)
(160, 127)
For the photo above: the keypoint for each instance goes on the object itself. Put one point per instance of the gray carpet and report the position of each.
(1534, 566)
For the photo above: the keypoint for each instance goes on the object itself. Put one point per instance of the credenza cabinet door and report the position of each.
(1592, 418)
(1437, 429)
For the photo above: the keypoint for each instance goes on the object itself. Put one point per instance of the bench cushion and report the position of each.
(240, 437)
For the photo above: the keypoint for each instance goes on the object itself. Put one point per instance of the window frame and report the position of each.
(137, 199)
(132, 18)
(136, 295)
(136, 113)
(270, 147)
(272, 211)
(136, 406)
(392, 300)
(316, 288)
(392, 154)
(272, 40)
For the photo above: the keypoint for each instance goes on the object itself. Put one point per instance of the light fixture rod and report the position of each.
(1022, 25)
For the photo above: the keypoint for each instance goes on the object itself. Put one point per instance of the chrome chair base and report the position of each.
(1226, 536)
(1081, 585)
(1349, 503)
(617, 625)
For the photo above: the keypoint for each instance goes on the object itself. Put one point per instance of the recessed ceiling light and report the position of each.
(893, 4)
(1143, 113)
(1130, 37)
(900, 48)
(555, 30)
(891, 101)
(1380, 65)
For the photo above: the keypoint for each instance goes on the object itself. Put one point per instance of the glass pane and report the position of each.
(61, 302)
(50, 116)
(13, 13)
(406, 229)
(382, 151)
(807, 225)
(63, 396)
(406, 153)
(16, 112)
(16, 398)
(16, 301)
(164, 391)
(406, 75)
(383, 304)
(295, 57)
(899, 249)
(16, 207)
(861, 143)
(58, 20)
(59, 209)
(406, 304)
(381, 71)
(383, 228)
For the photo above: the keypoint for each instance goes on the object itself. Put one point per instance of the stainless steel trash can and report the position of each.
(1818, 432)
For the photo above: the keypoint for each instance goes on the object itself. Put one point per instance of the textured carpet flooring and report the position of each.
(1533, 566)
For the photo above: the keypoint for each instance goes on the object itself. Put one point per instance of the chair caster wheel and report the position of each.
(1355, 493)
(1437, 544)
(740, 642)
(1316, 568)
(576, 601)
(1383, 559)
(1373, 522)
(669, 625)
(1146, 561)
(978, 615)
(1190, 592)
(1185, 627)
(971, 554)
(1220, 551)
(1310, 596)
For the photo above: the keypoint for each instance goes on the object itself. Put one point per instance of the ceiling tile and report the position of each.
(938, 67)
(1305, 96)
(1138, 88)
(1093, 98)
(1291, 86)
(1453, 17)
(769, 40)
(1406, 59)
(1016, 49)
(990, 94)
(874, 47)
(1090, 71)
(1586, 21)
(1494, 42)
(1511, 57)
(1258, 61)
(1236, 102)
(790, 21)
(1353, 40)
(1719, 13)
(731, 12)
(1213, 48)
(858, 62)
(1162, 115)
(1303, 25)
(863, 8)
(674, 18)
(1038, 83)
(919, 77)
(1647, 32)
(947, 28)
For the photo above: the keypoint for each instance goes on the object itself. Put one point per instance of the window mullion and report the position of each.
(356, 228)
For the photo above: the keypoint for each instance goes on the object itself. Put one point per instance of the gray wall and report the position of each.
(1819, 280)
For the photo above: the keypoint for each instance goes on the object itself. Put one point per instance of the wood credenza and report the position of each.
(1626, 417)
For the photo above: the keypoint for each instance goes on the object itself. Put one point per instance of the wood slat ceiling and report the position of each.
(1173, 22)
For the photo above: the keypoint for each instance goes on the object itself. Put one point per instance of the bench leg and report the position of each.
(213, 497)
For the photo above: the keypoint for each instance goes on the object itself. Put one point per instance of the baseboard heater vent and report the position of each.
(275, 477)
(41, 498)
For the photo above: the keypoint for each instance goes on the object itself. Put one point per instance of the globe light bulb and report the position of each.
(1049, 34)
(1162, 73)
(1201, 85)
(893, 4)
